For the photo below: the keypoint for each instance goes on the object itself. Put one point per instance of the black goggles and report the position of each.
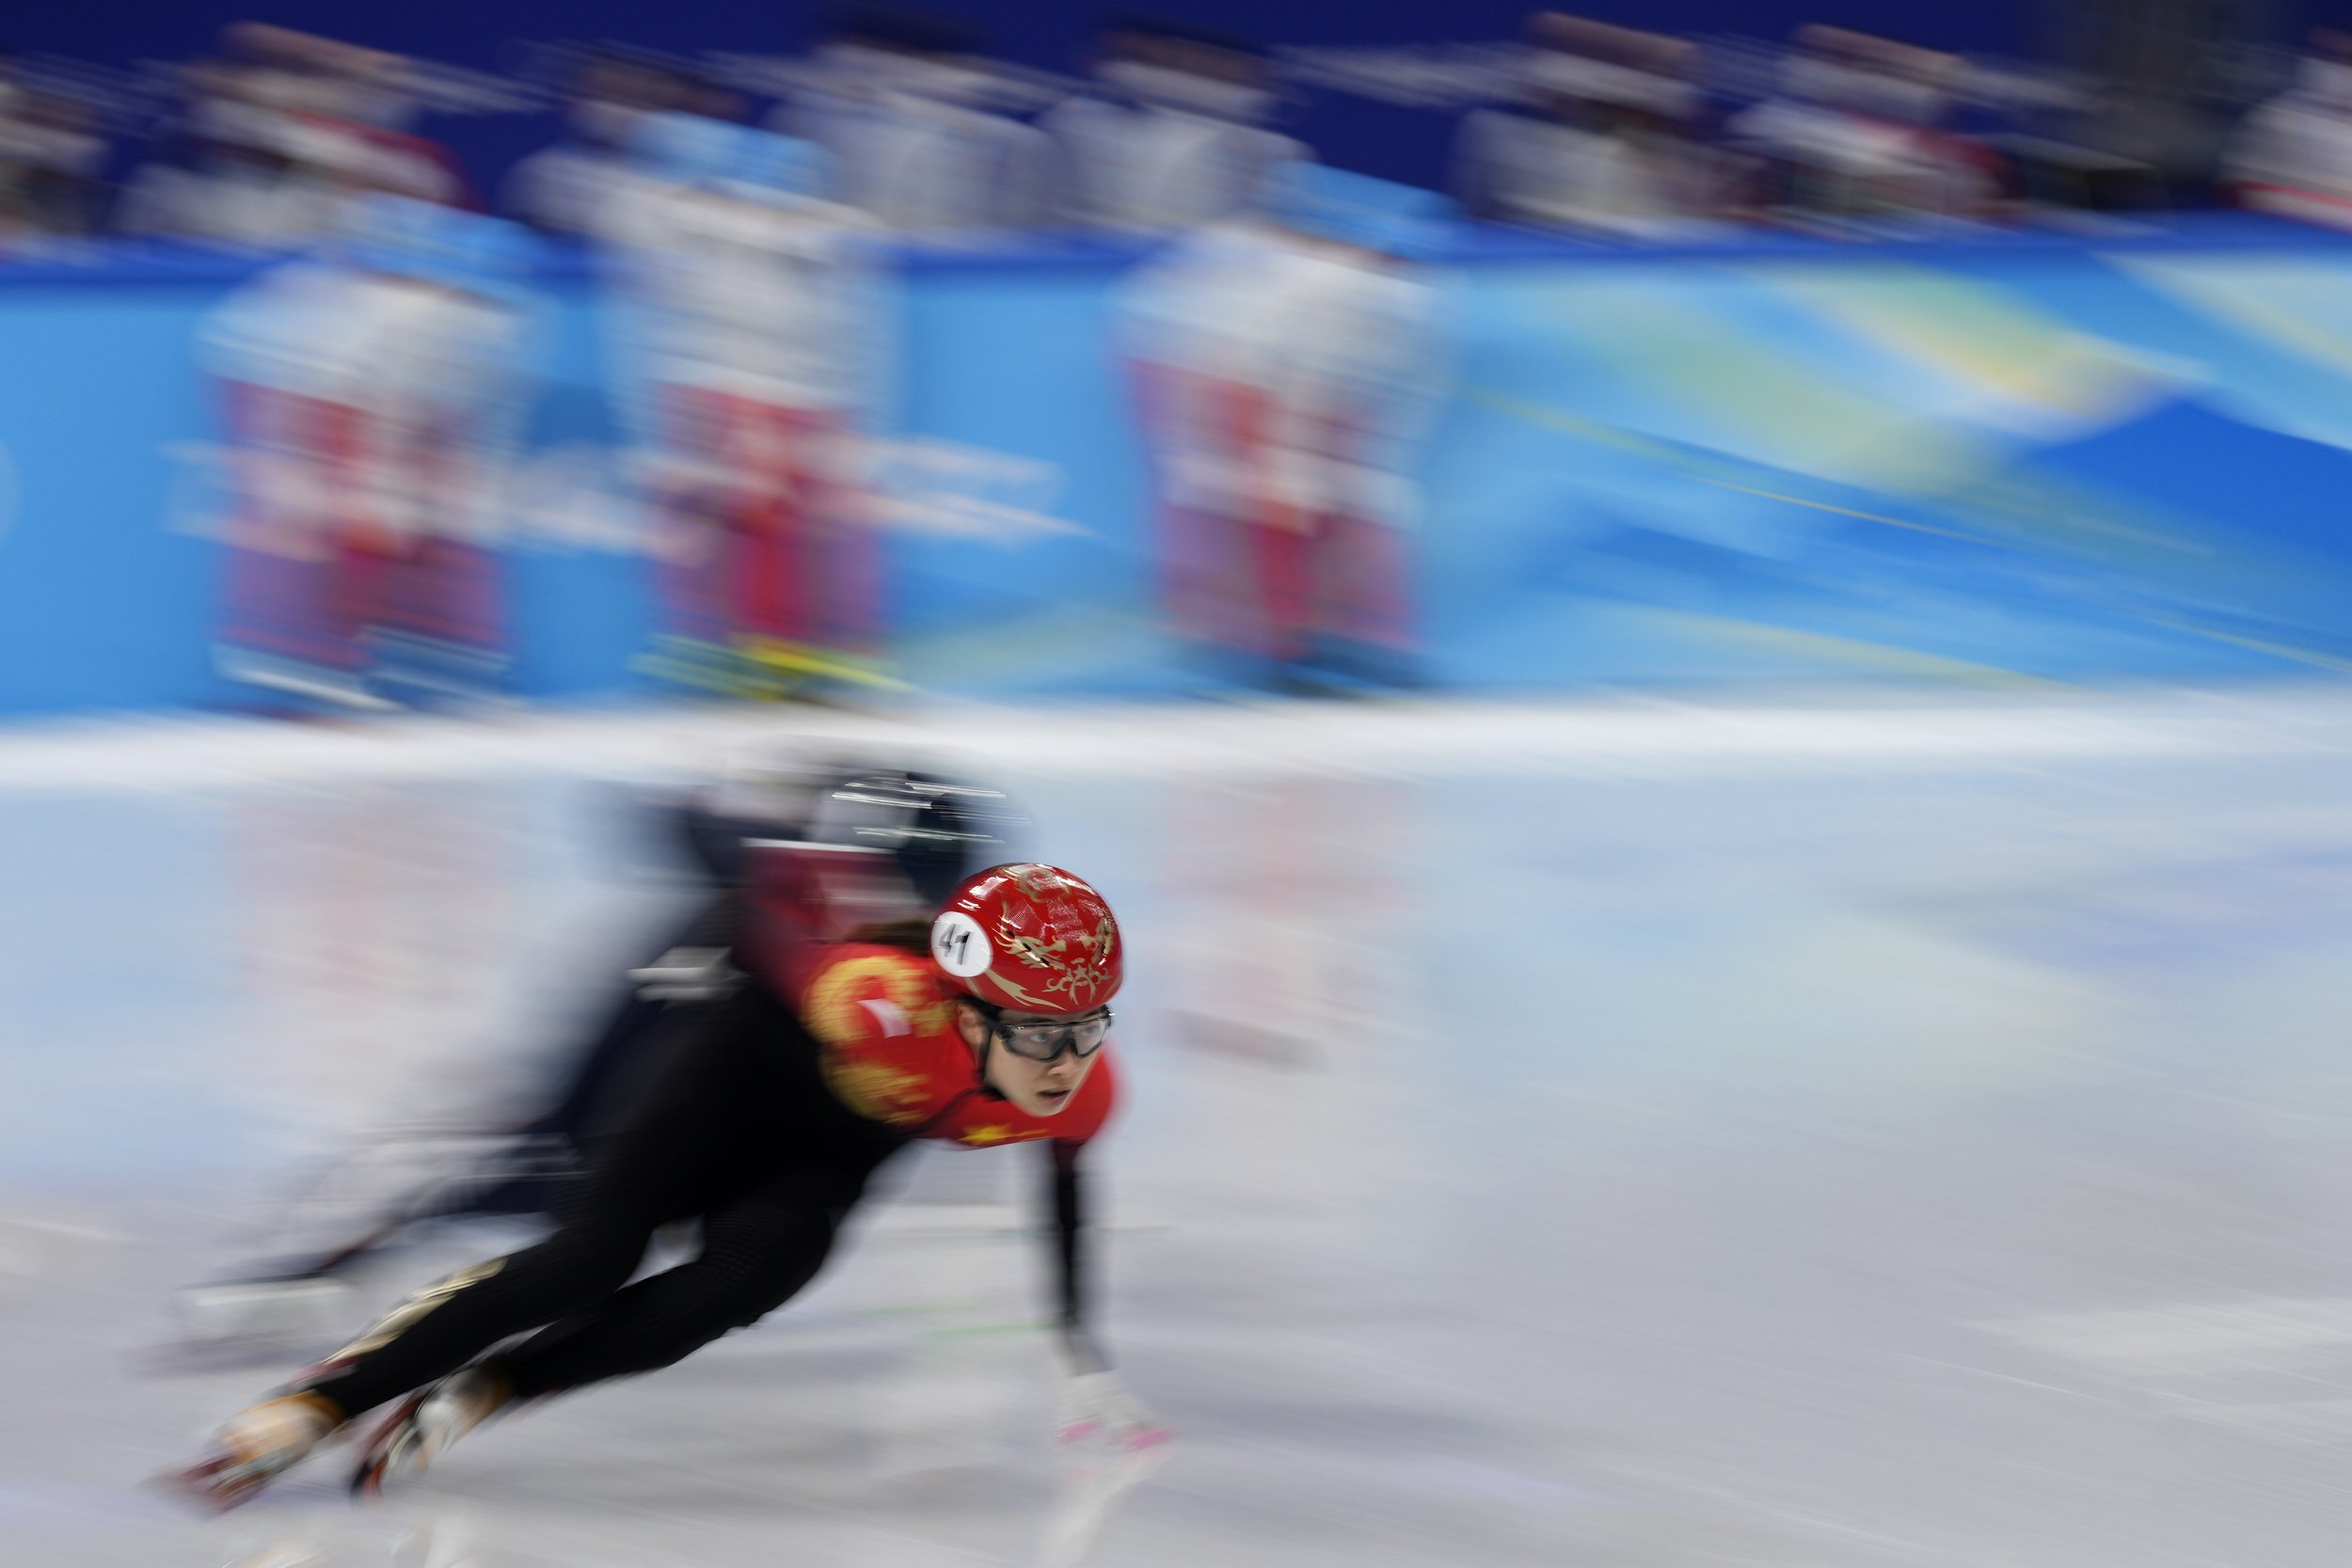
(1046, 1042)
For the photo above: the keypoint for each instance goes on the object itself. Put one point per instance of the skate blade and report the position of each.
(210, 1485)
(392, 1444)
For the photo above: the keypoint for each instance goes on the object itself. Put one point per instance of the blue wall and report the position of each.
(2016, 459)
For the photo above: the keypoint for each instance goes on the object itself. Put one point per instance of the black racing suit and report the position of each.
(724, 1117)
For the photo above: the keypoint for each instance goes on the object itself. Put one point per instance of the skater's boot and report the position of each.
(424, 1425)
(256, 1446)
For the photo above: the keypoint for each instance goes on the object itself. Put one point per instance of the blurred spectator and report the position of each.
(2165, 81)
(235, 168)
(1287, 368)
(911, 115)
(368, 396)
(564, 189)
(1174, 134)
(279, 136)
(2057, 171)
(1857, 133)
(52, 161)
(762, 349)
(1605, 136)
(2293, 154)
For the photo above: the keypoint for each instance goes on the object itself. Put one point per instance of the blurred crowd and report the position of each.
(1582, 125)
(1281, 352)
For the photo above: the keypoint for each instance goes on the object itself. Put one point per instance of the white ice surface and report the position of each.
(1640, 1134)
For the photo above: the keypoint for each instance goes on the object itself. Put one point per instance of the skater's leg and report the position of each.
(758, 1250)
(658, 1165)
(291, 1289)
(709, 1110)
(757, 1253)
(447, 1324)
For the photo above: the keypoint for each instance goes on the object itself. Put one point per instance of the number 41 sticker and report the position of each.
(959, 945)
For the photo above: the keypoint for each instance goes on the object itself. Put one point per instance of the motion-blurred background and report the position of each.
(1034, 352)
(1701, 643)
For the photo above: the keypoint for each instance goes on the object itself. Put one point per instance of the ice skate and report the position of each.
(424, 1426)
(255, 1447)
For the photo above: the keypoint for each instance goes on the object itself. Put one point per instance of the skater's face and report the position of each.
(1037, 1088)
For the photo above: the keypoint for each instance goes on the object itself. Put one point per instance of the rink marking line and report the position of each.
(1416, 738)
(45, 1250)
(977, 1330)
(2002, 1377)
(2188, 1338)
(1763, 1508)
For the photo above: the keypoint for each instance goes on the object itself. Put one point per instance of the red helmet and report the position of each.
(1030, 937)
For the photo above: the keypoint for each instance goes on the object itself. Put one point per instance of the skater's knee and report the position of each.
(741, 1298)
(584, 1264)
(750, 1309)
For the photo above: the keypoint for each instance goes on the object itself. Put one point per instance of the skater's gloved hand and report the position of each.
(1095, 1405)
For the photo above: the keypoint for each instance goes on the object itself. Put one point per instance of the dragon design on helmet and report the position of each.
(1074, 964)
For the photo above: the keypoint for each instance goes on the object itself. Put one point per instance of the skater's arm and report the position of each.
(1094, 1402)
(1068, 1192)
